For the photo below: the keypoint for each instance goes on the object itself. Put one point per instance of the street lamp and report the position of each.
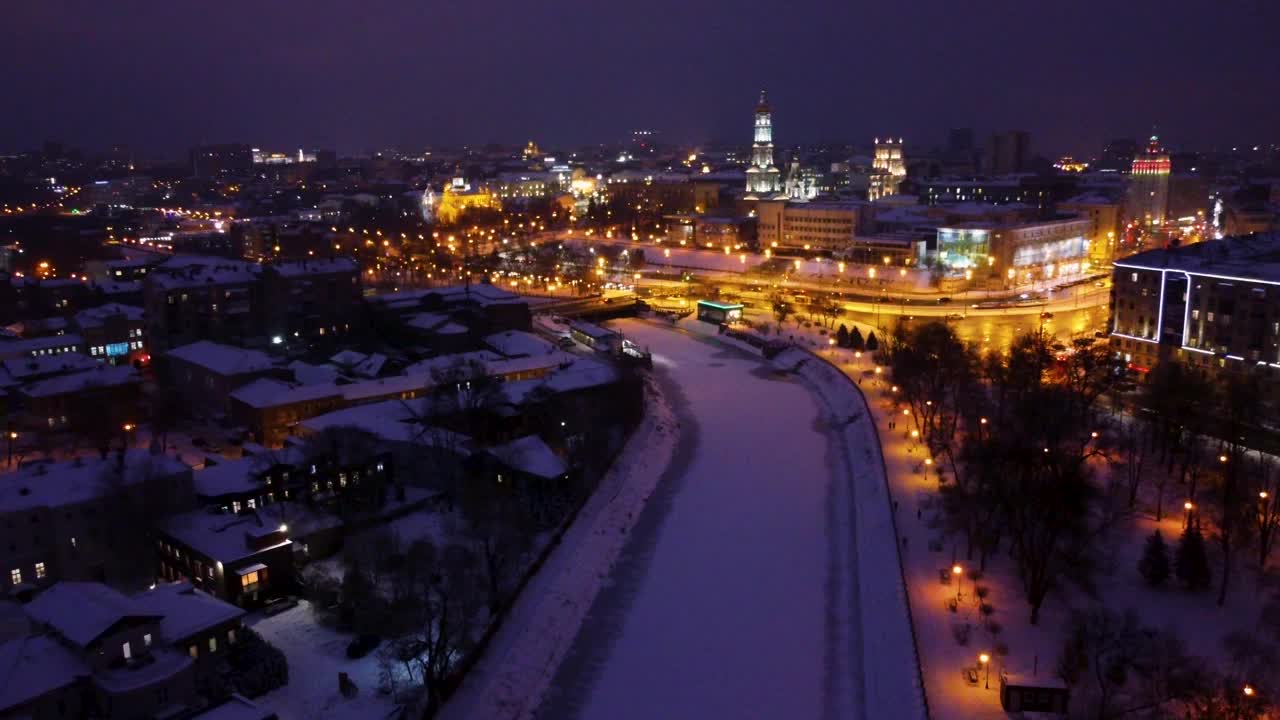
(956, 572)
(985, 659)
(1188, 506)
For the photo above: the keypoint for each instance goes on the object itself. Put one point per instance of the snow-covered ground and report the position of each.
(519, 664)
(1031, 648)
(736, 594)
(316, 655)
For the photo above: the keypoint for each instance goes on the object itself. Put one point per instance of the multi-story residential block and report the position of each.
(309, 298)
(61, 521)
(190, 298)
(206, 373)
(112, 332)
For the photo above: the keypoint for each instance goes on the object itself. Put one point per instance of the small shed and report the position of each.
(595, 337)
(1029, 693)
(719, 313)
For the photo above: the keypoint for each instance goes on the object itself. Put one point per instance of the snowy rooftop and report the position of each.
(308, 374)
(29, 367)
(268, 392)
(33, 666)
(227, 477)
(516, 343)
(1250, 256)
(186, 610)
(118, 287)
(220, 536)
(222, 359)
(446, 362)
(298, 268)
(390, 420)
(591, 330)
(531, 455)
(95, 317)
(82, 611)
(98, 377)
(427, 320)
(583, 373)
(66, 483)
(184, 271)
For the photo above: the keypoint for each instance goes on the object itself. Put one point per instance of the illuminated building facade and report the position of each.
(889, 166)
(1214, 305)
(763, 178)
(1149, 185)
(829, 226)
(1009, 252)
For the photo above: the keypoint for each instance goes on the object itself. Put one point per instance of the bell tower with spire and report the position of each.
(763, 178)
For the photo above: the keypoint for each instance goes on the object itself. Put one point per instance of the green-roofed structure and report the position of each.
(719, 313)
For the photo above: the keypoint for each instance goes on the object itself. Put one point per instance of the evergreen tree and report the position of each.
(1154, 564)
(855, 339)
(842, 336)
(1192, 563)
(872, 343)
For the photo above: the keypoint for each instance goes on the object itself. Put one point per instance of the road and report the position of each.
(1069, 315)
(732, 596)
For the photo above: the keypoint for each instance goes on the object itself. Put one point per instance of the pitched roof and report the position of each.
(529, 454)
(186, 610)
(35, 665)
(222, 359)
(82, 611)
(97, 377)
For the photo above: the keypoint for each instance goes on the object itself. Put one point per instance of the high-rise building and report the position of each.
(889, 167)
(1149, 184)
(763, 178)
(1008, 152)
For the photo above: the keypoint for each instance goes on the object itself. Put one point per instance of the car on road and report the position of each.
(1046, 315)
(944, 300)
(954, 316)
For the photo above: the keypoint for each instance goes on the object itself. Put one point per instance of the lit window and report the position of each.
(249, 579)
(231, 636)
(146, 639)
(213, 644)
(193, 651)
(40, 571)
(126, 651)
(15, 576)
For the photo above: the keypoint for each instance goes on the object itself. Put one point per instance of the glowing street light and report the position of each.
(956, 572)
(985, 659)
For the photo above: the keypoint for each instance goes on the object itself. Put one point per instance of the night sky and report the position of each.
(356, 76)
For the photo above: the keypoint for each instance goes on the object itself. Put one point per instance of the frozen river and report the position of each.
(734, 595)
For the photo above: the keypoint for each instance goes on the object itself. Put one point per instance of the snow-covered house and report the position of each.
(243, 559)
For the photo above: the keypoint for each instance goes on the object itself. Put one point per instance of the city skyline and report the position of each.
(414, 76)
